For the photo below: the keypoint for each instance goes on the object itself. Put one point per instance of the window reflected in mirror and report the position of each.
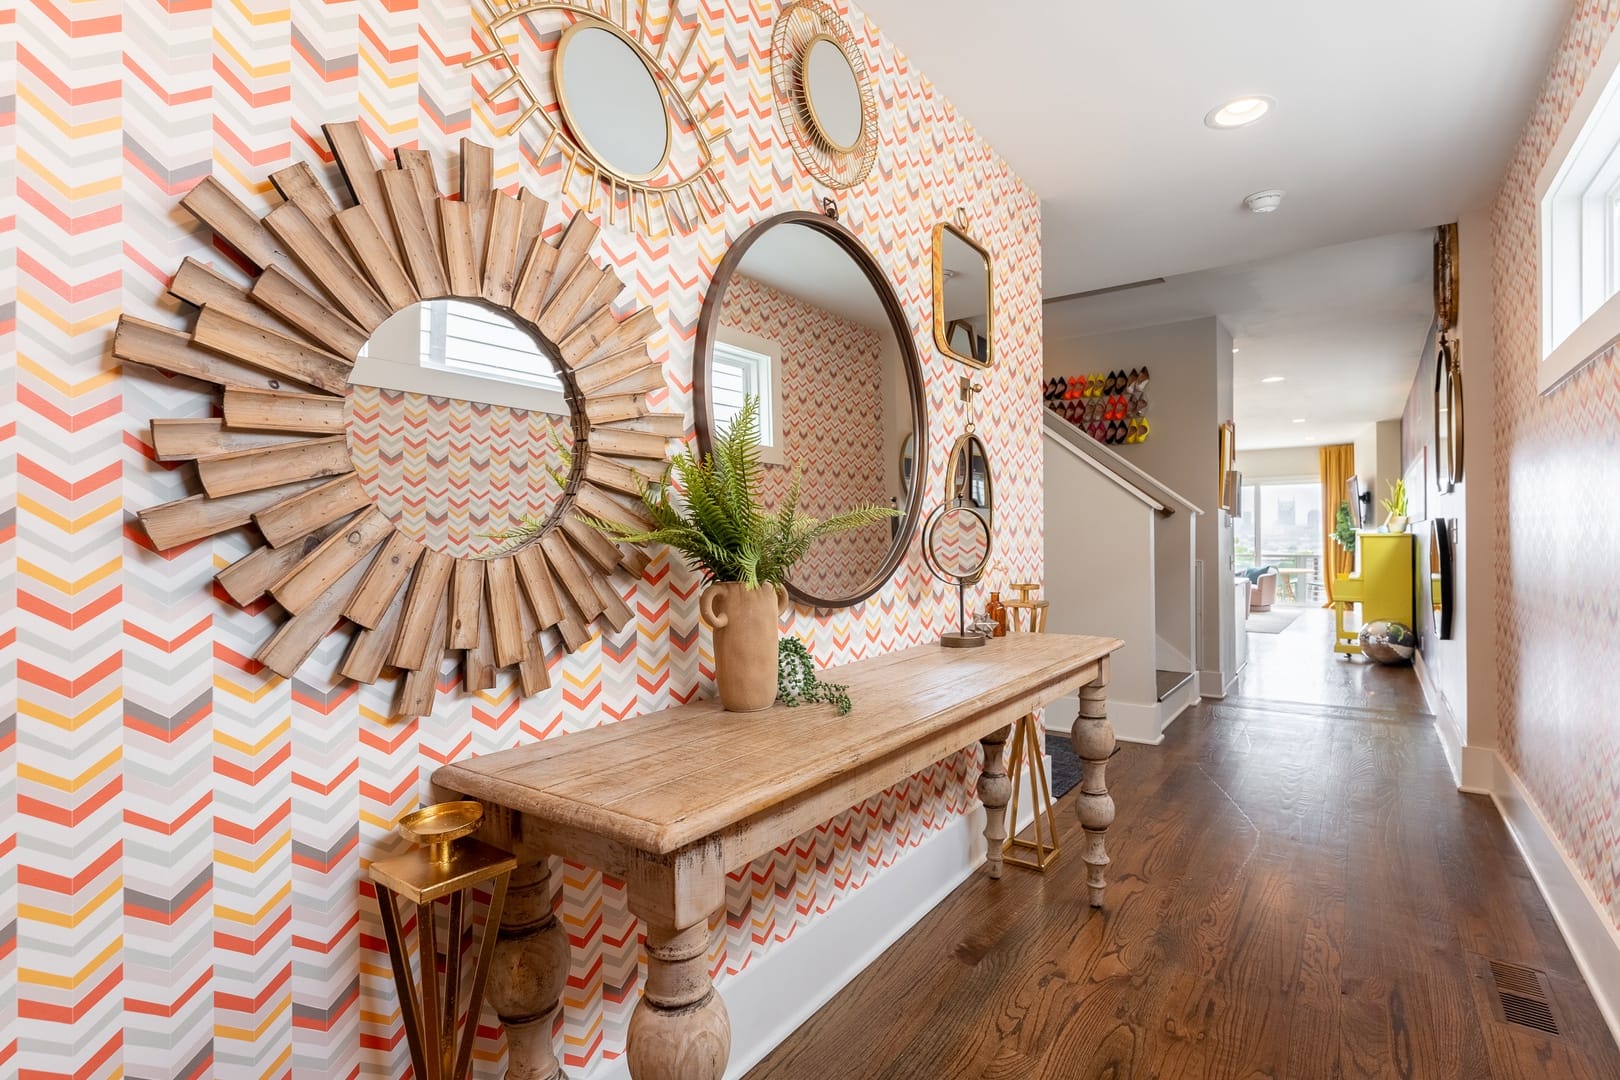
(458, 423)
(963, 297)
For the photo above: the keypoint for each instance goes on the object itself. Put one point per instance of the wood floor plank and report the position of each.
(1297, 892)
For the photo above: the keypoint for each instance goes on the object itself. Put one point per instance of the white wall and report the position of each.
(1287, 463)
(1100, 580)
(1189, 396)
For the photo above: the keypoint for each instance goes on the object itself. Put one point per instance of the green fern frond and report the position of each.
(718, 524)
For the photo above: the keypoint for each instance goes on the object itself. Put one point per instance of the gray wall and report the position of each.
(1189, 395)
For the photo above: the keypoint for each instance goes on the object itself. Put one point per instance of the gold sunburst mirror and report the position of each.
(621, 95)
(431, 524)
(823, 93)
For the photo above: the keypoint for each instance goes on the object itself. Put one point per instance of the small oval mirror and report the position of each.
(967, 476)
(459, 426)
(611, 100)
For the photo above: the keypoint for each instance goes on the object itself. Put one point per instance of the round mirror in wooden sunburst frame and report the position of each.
(286, 456)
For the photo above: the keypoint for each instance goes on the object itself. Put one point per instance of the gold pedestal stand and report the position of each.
(1028, 616)
(447, 868)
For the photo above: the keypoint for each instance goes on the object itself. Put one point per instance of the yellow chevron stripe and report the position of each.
(236, 862)
(63, 386)
(43, 307)
(67, 128)
(35, 977)
(35, 572)
(264, 18)
(63, 523)
(253, 1034)
(243, 693)
(257, 184)
(247, 68)
(252, 749)
(253, 918)
(70, 783)
(35, 913)
(381, 122)
(393, 82)
(71, 721)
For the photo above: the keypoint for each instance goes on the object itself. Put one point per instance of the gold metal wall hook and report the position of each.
(962, 219)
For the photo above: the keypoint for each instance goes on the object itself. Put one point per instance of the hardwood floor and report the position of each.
(1297, 891)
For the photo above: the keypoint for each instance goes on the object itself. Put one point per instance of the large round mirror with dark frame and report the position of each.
(802, 317)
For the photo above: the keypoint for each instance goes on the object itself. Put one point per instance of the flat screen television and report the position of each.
(1358, 509)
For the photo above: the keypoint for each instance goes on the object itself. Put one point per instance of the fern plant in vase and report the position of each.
(743, 550)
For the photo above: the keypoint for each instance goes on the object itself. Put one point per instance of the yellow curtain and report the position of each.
(1338, 465)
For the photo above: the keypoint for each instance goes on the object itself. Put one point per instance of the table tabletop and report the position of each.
(667, 779)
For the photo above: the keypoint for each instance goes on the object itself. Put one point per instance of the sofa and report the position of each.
(1262, 587)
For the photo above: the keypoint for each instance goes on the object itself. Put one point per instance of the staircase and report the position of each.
(1119, 562)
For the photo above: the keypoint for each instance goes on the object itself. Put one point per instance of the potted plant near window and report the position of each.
(1396, 505)
(743, 550)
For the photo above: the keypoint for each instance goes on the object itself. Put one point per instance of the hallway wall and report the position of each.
(1556, 483)
(1188, 397)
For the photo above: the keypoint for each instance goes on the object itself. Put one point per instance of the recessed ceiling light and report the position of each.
(1301, 420)
(1236, 350)
(1238, 113)
(1272, 379)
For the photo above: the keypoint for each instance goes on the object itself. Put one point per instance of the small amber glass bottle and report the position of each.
(997, 613)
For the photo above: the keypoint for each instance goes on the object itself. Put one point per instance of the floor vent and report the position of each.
(1522, 997)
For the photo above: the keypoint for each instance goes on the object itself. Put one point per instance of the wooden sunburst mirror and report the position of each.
(283, 456)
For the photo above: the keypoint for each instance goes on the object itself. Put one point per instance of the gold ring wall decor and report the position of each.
(280, 459)
(681, 193)
(802, 28)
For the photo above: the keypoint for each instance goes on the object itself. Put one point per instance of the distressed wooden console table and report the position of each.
(671, 801)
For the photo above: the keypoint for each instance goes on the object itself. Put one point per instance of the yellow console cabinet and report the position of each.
(1381, 586)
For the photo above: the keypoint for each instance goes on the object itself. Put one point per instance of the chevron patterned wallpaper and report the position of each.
(830, 370)
(1557, 480)
(497, 471)
(182, 835)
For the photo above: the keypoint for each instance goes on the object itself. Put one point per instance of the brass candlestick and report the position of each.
(447, 865)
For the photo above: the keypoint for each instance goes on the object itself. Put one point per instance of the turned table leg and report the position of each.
(994, 790)
(1093, 742)
(528, 974)
(680, 1029)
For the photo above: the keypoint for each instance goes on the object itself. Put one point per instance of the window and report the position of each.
(1281, 526)
(747, 366)
(468, 339)
(1579, 193)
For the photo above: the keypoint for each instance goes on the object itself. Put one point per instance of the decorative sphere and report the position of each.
(1388, 642)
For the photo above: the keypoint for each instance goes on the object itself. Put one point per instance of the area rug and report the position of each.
(1274, 621)
(1065, 765)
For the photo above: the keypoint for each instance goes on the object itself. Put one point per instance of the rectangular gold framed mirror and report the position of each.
(963, 297)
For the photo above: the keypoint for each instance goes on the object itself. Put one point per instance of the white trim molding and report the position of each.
(1592, 938)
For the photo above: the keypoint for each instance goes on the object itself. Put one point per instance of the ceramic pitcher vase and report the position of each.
(745, 637)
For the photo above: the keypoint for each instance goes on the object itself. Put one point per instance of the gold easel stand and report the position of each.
(1026, 615)
(448, 867)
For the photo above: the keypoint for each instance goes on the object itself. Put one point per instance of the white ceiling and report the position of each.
(808, 264)
(1391, 115)
(1343, 325)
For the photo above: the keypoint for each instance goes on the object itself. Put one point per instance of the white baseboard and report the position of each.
(1473, 768)
(1171, 708)
(782, 989)
(1591, 937)
(1133, 723)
